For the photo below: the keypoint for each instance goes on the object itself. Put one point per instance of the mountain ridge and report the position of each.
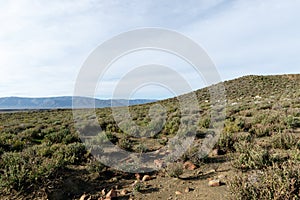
(65, 102)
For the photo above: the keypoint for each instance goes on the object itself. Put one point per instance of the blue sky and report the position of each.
(43, 44)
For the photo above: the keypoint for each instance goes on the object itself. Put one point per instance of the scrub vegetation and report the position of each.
(41, 150)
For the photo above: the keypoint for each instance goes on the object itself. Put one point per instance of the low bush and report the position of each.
(251, 156)
(35, 164)
(226, 142)
(280, 181)
(174, 169)
(284, 140)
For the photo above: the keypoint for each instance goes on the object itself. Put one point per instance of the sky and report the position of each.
(44, 44)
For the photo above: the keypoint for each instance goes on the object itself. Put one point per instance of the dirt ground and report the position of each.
(192, 184)
(78, 183)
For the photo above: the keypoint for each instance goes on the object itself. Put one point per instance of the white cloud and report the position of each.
(43, 44)
(252, 37)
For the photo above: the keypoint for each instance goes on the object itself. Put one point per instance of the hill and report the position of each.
(257, 155)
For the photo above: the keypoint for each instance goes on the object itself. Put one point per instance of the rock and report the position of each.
(217, 152)
(214, 183)
(123, 192)
(178, 193)
(222, 177)
(189, 165)
(135, 182)
(211, 171)
(114, 179)
(112, 194)
(146, 178)
(83, 197)
(186, 190)
(138, 176)
(159, 163)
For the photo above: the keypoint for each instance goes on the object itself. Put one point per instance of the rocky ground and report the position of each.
(202, 182)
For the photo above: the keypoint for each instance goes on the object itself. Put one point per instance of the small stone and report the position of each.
(187, 190)
(123, 192)
(114, 179)
(189, 165)
(135, 182)
(111, 194)
(178, 193)
(83, 197)
(146, 178)
(214, 183)
(221, 177)
(138, 176)
(211, 171)
(159, 163)
(215, 152)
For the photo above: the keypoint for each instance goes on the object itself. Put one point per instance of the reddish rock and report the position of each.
(214, 183)
(189, 165)
(138, 176)
(123, 192)
(112, 194)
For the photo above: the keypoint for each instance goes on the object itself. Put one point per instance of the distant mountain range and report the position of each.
(65, 102)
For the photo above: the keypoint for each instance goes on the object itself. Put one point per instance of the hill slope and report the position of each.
(257, 154)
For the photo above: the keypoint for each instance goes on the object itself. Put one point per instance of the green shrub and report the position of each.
(95, 166)
(251, 156)
(293, 122)
(125, 144)
(226, 142)
(205, 122)
(138, 186)
(141, 148)
(284, 140)
(35, 164)
(279, 181)
(174, 169)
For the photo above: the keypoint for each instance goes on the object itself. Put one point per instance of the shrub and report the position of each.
(141, 148)
(174, 170)
(293, 122)
(279, 181)
(95, 166)
(284, 140)
(226, 142)
(35, 164)
(205, 122)
(251, 156)
(125, 144)
(138, 186)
